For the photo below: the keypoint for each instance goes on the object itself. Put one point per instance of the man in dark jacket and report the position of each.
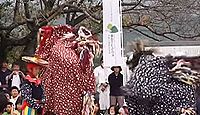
(115, 80)
(4, 72)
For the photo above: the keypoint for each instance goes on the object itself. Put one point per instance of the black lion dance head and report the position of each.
(159, 85)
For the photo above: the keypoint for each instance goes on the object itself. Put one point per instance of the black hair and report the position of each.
(3, 102)
(10, 103)
(15, 63)
(14, 87)
(3, 61)
(115, 107)
(112, 68)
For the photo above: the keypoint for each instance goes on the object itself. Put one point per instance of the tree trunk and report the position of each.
(29, 50)
(3, 53)
(2, 46)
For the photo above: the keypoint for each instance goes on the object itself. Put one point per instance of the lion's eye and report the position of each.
(86, 32)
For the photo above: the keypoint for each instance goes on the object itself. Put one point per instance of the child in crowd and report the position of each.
(113, 110)
(15, 97)
(32, 90)
(9, 108)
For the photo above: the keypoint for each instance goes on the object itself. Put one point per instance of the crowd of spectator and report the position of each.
(10, 81)
(107, 87)
(110, 96)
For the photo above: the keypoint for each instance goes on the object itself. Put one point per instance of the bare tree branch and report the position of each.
(41, 5)
(11, 26)
(154, 32)
(146, 34)
(164, 34)
(80, 18)
(80, 2)
(133, 6)
(129, 4)
(69, 10)
(48, 5)
(52, 16)
(169, 19)
(21, 41)
(91, 17)
(16, 11)
(26, 10)
(60, 9)
(30, 24)
(67, 17)
(191, 37)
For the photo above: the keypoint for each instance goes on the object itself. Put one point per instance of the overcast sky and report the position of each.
(2, 1)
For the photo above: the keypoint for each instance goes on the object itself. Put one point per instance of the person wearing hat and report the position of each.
(32, 89)
(115, 80)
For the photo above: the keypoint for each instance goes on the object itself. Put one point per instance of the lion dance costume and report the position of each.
(69, 73)
(155, 89)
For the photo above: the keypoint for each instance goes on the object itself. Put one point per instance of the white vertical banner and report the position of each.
(112, 33)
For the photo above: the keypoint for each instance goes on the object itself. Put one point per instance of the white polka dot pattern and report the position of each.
(152, 91)
(64, 79)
